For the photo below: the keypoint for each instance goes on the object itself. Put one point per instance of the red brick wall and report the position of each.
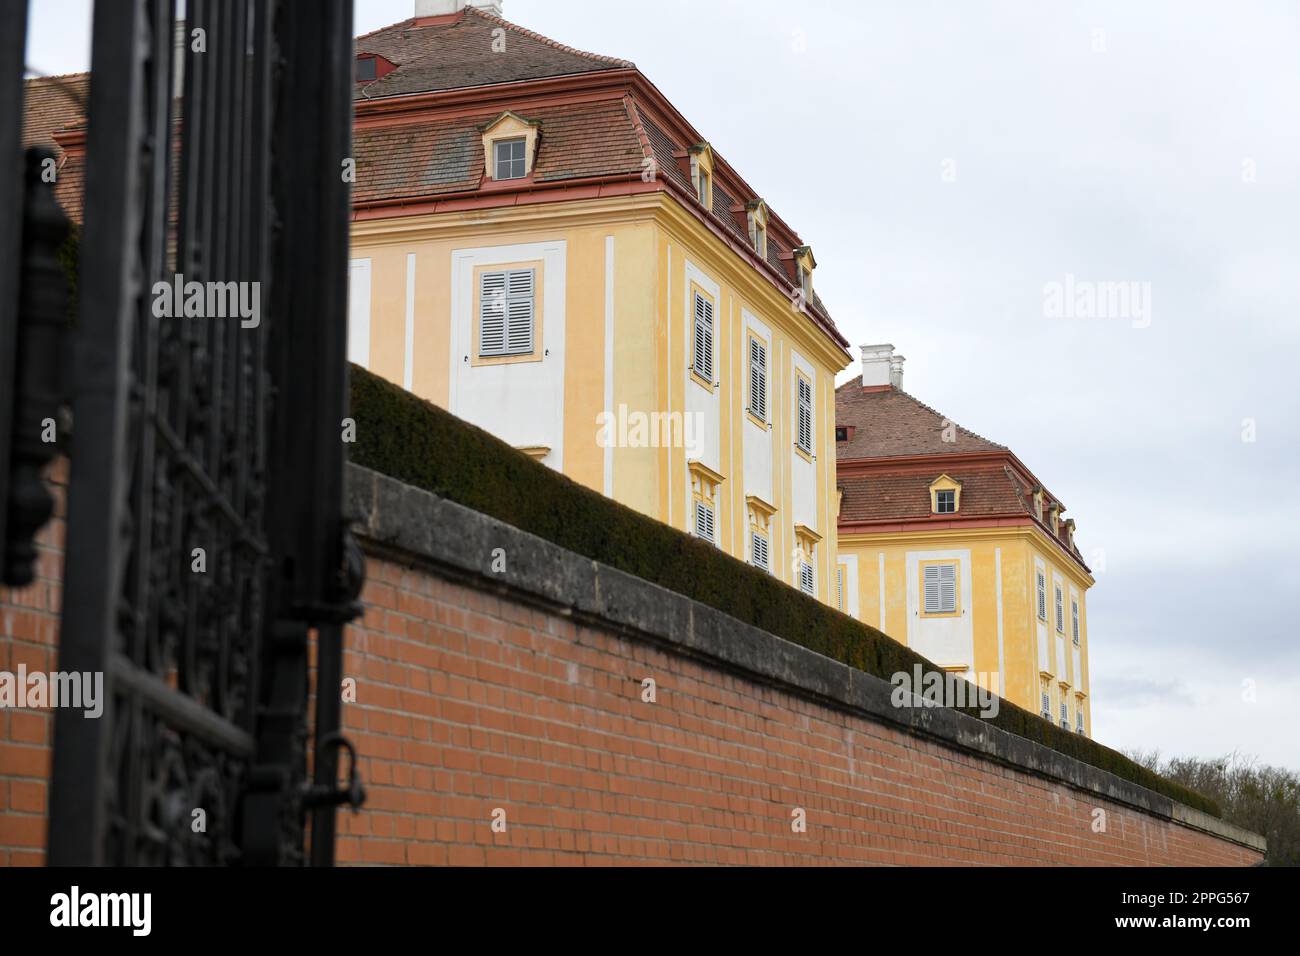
(468, 702)
(29, 620)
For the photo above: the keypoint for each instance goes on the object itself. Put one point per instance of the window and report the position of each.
(508, 158)
(841, 433)
(506, 312)
(1047, 703)
(804, 278)
(365, 68)
(839, 588)
(939, 587)
(760, 239)
(807, 583)
(1074, 615)
(1060, 611)
(805, 424)
(759, 554)
(704, 188)
(1042, 597)
(703, 366)
(1078, 715)
(945, 502)
(1065, 712)
(704, 521)
(758, 379)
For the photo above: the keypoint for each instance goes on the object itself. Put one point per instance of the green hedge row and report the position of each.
(415, 442)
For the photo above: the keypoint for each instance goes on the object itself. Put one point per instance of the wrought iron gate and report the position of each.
(205, 372)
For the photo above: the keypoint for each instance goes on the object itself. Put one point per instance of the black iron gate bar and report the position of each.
(205, 535)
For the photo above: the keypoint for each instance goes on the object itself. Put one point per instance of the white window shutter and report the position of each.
(805, 426)
(492, 313)
(931, 588)
(758, 379)
(507, 312)
(947, 588)
(704, 337)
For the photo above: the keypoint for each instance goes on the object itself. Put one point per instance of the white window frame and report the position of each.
(938, 500)
(1078, 715)
(1060, 609)
(704, 187)
(760, 551)
(521, 162)
(1042, 593)
(507, 312)
(944, 592)
(1046, 706)
(1074, 614)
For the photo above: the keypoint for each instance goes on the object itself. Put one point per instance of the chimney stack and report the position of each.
(440, 8)
(881, 367)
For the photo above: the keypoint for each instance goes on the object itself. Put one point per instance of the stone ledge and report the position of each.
(418, 526)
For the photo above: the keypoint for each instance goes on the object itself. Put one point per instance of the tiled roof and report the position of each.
(448, 53)
(985, 490)
(53, 104)
(891, 423)
(432, 157)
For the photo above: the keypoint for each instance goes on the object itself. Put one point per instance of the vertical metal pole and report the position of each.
(329, 715)
(13, 39)
(109, 280)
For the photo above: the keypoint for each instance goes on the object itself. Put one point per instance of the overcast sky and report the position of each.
(948, 161)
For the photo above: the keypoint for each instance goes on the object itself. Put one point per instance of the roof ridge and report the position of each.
(362, 36)
(55, 76)
(634, 114)
(547, 40)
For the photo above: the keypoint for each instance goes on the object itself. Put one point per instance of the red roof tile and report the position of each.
(890, 422)
(447, 53)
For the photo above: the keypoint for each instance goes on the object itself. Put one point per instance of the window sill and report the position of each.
(760, 422)
(701, 381)
(805, 455)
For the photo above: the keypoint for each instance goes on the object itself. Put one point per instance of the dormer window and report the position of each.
(509, 147)
(756, 219)
(369, 67)
(701, 159)
(804, 264)
(509, 159)
(945, 496)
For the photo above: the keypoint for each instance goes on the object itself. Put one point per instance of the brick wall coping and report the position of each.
(409, 524)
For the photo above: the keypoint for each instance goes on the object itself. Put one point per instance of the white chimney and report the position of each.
(440, 8)
(876, 365)
(896, 371)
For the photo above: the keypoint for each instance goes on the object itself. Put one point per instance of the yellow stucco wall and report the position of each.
(1010, 552)
(651, 238)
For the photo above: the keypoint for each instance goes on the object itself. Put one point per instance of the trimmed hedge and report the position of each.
(420, 444)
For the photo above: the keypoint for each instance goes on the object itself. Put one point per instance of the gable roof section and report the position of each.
(457, 51)
(888, 423)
